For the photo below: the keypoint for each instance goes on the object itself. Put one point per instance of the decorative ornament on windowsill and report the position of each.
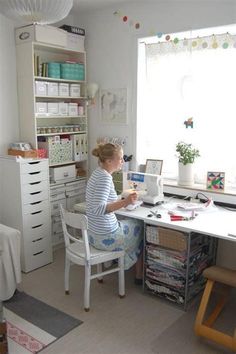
(42, 12)
(91, 91)
(186, 155)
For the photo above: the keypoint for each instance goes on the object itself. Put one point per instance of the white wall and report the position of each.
(111, 47)
(9, 127)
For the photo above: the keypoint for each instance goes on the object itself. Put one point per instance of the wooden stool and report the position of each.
(227, 280)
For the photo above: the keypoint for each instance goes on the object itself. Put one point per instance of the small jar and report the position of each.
(54, 130)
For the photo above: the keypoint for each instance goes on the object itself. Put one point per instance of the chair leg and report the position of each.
(121, 277)
(67, 274)
(99, 270)
(87, 287)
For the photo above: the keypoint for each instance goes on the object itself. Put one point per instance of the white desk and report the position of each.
(216, 222)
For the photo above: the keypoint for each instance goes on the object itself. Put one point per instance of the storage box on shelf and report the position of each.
(25, 191)
(174, 262)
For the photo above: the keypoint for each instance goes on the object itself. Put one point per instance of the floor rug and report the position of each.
(32, 325)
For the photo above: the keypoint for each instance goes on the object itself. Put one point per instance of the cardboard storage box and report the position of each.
(41, 33)
(23, 153)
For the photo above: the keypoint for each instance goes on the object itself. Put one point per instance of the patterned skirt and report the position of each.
(128, 237)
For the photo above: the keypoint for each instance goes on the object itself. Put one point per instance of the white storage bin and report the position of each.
(74, 90)
(41, 33)
(63, 89)
(63, 108)
(73, 109)
(52, 89)
(53, 108)
(41, 108)
(40, 88)
(63, 172)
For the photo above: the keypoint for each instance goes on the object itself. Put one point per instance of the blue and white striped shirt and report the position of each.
(100, 191)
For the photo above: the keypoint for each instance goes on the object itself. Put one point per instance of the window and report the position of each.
(194, 79)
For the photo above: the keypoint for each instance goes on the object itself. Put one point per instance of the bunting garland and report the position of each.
(196, 43)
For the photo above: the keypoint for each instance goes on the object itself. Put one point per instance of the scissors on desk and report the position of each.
(154, 213)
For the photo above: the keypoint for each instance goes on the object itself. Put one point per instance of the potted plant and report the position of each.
(186, 155)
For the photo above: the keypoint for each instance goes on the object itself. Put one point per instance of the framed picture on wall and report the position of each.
(215, 180)
(153, 166)
(113, 106)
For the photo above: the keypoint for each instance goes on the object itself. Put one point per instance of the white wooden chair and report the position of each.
(79, 251)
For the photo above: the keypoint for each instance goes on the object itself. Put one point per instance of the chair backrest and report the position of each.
(76, 222)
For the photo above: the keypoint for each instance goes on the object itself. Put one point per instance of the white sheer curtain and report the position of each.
(177, 82)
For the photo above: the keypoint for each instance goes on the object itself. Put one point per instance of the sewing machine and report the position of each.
(148, 187)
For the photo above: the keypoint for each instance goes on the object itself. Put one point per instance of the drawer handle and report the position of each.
(37, 212)
(36, 254)
(38, 239)
(36, 203)
(35, 193)
(33, 183)
(36, 226)
(34, 173)
(34, 163)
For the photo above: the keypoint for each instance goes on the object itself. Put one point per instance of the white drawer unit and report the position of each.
(25, 192)
(68, 194)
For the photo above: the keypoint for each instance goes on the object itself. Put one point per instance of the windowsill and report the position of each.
(226, 196)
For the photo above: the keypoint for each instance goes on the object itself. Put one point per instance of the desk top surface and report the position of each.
(215, 221)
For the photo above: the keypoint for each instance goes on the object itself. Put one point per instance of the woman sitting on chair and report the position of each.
(104, 230)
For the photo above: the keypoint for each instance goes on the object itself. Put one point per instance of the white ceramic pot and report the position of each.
(186, 175)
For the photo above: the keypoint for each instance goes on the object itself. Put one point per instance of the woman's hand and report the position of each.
(122, 203)
(132, 198)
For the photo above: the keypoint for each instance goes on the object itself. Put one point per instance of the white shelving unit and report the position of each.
(41, 129)
(33, 126)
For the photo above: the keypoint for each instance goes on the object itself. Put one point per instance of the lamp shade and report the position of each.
(36, 11)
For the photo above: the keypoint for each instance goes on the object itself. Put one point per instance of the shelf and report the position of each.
(55, 49)
(59, 117)
(45, 78)
(62, 97)
(66, 163)
(63, 133)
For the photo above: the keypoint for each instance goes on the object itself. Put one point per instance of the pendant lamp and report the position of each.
(36, 11)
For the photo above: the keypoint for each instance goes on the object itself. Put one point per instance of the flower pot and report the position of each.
(186, 176)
